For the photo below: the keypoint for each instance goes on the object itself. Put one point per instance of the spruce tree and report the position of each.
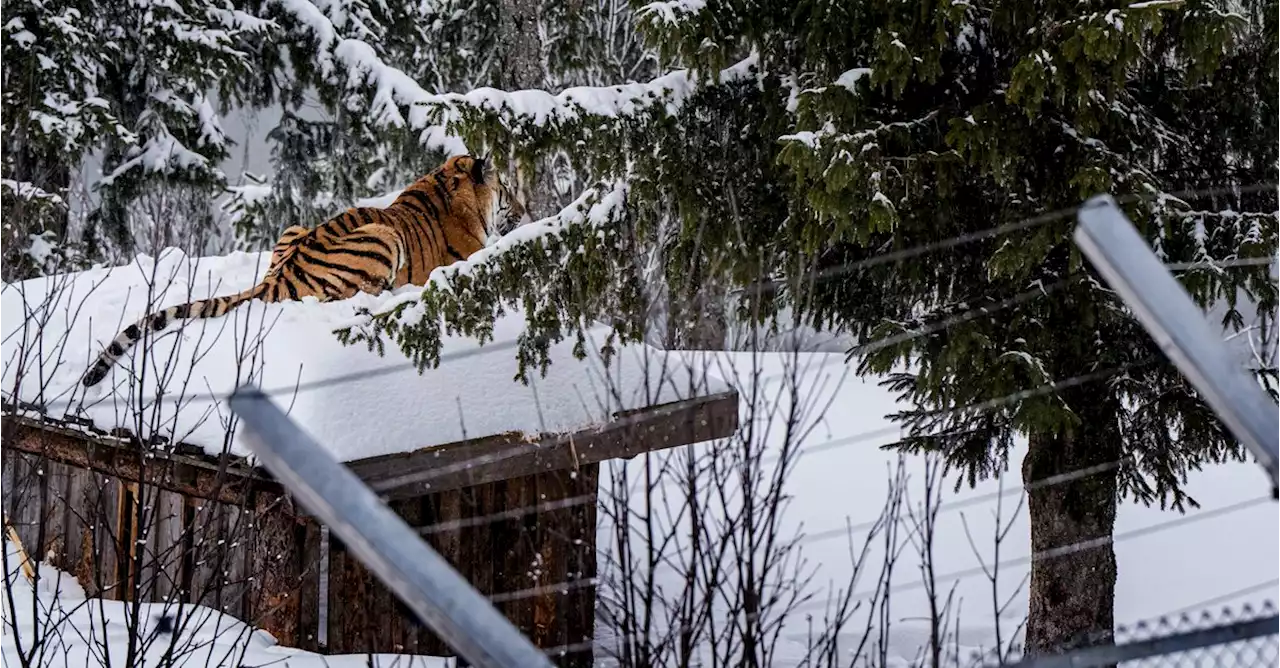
(378, 71)
(846, 131)
(131, 81)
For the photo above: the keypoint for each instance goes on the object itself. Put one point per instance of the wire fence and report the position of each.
(1247, 638)
(1244, 637)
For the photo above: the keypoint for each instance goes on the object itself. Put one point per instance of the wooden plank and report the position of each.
(454, 466)
(37, 513)
(206, 532)
(16, 494)
(272, 602)
(141, 581)
(8, 493)
(514, 550)
(232, 556)
(404, 627)
(436, 510)
(450, 466)
(166, 546)
(580, 624)
(353, 623)
(54, 513)
(309, 563)
(105, 512)
(25, 515)
(336, 642)
(77, 533)
(553, 549)
(478, 503)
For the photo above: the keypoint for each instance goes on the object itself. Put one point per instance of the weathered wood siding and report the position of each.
(142, 533)
(134, 523)
(528, 542)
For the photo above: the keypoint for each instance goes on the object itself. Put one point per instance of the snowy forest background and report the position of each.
(782, 166)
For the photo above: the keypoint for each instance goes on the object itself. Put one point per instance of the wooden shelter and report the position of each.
(155, 523)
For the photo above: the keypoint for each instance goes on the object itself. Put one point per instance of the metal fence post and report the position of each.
(420, 577)
(1179, 327)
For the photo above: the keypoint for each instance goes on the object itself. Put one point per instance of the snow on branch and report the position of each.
(579, 258)
(437, 116)
(162, 153)
(671, 12)
(540, 108)
(31, 192)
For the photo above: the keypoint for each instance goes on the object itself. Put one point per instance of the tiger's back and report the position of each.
(439, 219)
(442, 218)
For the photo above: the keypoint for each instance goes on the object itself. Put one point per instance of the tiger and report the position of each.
(440, 219)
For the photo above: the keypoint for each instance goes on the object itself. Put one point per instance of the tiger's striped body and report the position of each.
(443, 217)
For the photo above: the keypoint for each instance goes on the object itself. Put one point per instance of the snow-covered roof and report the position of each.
(353, 401)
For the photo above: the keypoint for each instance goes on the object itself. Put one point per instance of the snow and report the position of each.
(807, 137)
(30, 191)
(671, 12)
(1166, 562)
(161, 153)
(84, 632)
(542, 108)
(23, 38)
(429, 112)
(850, 78)
(351, 400)
(40, 248)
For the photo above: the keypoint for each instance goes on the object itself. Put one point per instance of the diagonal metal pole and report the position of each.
(1179, 327)
(420, 577)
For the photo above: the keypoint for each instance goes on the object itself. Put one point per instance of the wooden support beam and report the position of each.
(506, 456)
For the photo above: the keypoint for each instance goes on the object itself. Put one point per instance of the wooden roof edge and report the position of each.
(201, 477)
(454, 466)
(124, 439)
(432, 469)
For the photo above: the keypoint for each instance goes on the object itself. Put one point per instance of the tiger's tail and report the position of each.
(155, 322)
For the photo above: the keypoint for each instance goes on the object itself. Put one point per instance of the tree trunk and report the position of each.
(519, 46)
(520, 49)
(1073, 576)
(700, 322)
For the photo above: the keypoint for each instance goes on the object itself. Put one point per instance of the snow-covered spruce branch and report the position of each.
(491, 117)
(398, 101)
(30, 192)
(578, 258)
(671, 12)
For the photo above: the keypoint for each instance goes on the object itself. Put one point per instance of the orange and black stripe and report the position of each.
(442, 218)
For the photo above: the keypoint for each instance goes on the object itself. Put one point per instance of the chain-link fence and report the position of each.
(1243, 637)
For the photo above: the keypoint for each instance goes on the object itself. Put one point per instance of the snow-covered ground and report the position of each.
(1167, 562)
(87, 632)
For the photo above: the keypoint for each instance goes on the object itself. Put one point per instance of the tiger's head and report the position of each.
(501, 209)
